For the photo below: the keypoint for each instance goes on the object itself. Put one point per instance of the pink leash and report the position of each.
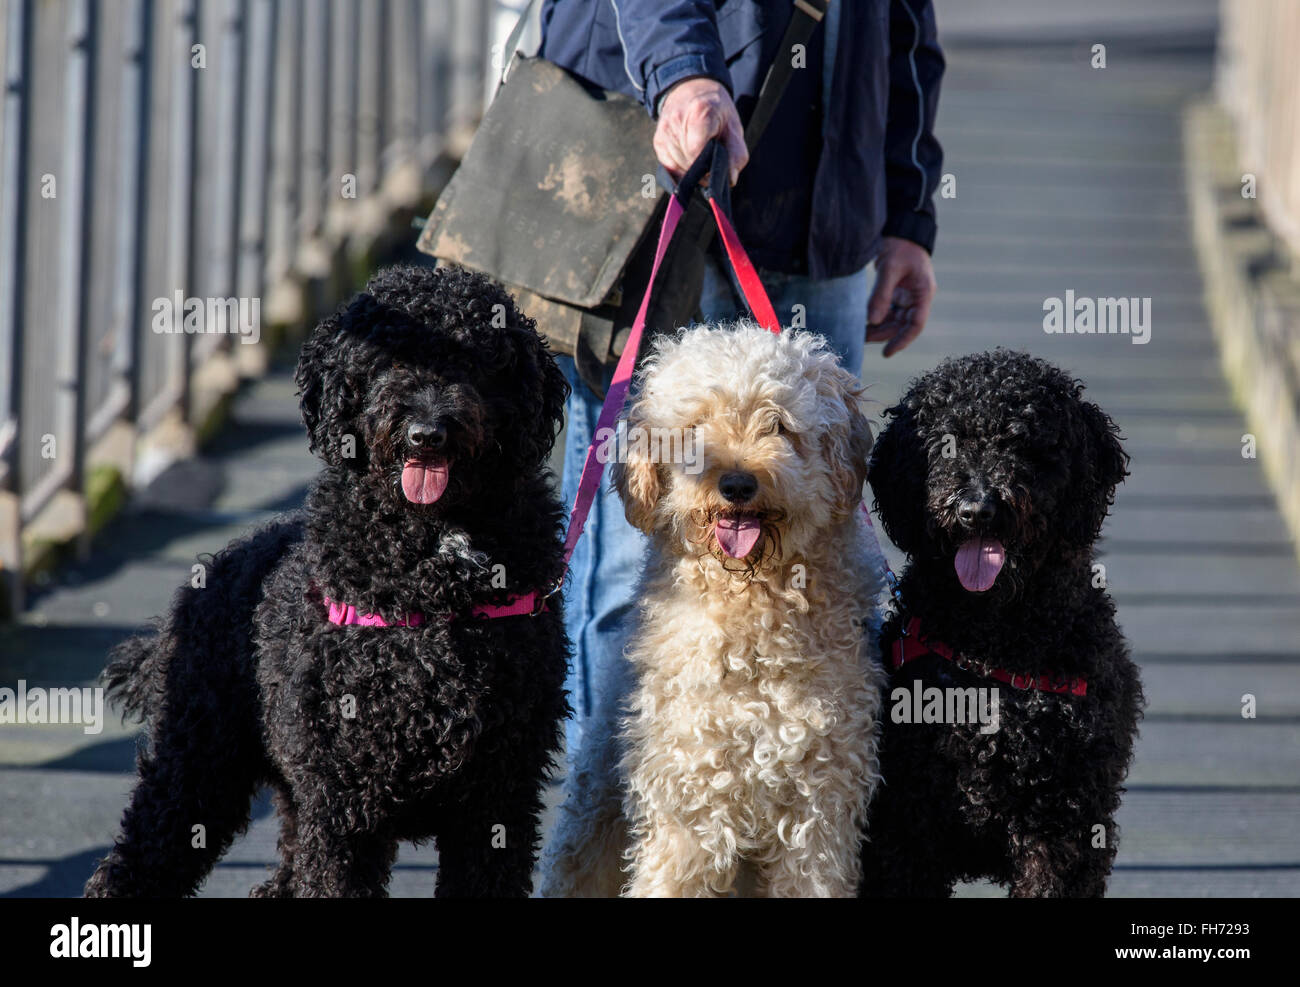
(592, 468)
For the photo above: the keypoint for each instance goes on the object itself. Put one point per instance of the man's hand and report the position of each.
(900, 301)
(691, 114)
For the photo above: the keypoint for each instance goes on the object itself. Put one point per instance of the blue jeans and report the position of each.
(599, 605)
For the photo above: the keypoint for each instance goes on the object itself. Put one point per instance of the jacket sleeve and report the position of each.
(667, 41)
(913, 157)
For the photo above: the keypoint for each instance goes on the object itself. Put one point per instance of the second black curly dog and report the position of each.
(434, 405)
(994, 476)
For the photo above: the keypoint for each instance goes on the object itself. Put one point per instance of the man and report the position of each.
(843, 176)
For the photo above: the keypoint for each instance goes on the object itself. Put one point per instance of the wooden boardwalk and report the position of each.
(1067, 178)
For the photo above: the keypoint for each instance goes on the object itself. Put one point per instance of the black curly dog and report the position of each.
(994, 476)
(434, 405)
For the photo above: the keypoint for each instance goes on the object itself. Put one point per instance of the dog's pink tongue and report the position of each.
(978, 563)
(737, 535)
(424, 483)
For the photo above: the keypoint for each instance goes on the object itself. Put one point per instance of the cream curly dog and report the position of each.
(751, 725)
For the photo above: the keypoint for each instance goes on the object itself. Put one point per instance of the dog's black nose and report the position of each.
(738, 487)
(979, 509)
(428, 437)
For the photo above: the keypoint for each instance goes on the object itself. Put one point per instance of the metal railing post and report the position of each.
(286, 140)
(13, 235)
(180, 226)
(129, 240)
(254, 173)
(405, 77)
(343, 102)
(315, 152)
(370, 96)
(433, 111)
(225, 211)
(74, 221)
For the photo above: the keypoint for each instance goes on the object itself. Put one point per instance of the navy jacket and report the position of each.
(825, 183)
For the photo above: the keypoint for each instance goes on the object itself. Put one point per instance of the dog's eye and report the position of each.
(773, 425)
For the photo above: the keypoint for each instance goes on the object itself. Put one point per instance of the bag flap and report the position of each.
(559, 323)
(550, 196)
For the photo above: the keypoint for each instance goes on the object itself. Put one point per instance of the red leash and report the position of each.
(750, 285)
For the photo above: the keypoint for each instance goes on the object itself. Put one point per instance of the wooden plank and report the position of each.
(1223, 580)
(1216, 689)
(1211, 829)
(1222, 631)
(1248, 753)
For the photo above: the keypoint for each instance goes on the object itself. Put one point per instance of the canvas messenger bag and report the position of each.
(557, 199)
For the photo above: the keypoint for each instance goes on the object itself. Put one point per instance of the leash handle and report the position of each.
(713, 160)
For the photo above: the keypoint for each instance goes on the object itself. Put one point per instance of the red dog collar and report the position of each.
(911, 645)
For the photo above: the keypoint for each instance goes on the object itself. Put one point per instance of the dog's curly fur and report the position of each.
(752, 728)
(1031, 805)
(370, 735)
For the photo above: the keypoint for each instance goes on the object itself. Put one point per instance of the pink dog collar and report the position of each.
(344, 613)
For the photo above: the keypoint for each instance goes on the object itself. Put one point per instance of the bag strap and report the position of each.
(713, 160)
(807, 15)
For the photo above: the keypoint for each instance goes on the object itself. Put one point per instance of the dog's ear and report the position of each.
(639, 484)
(331, 378)
(1102, 464)
(542, 390)
(846, 448)
(897, 473)
(554, 395)
(1108, 452)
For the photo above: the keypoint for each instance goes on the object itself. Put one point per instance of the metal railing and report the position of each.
(163, 151)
